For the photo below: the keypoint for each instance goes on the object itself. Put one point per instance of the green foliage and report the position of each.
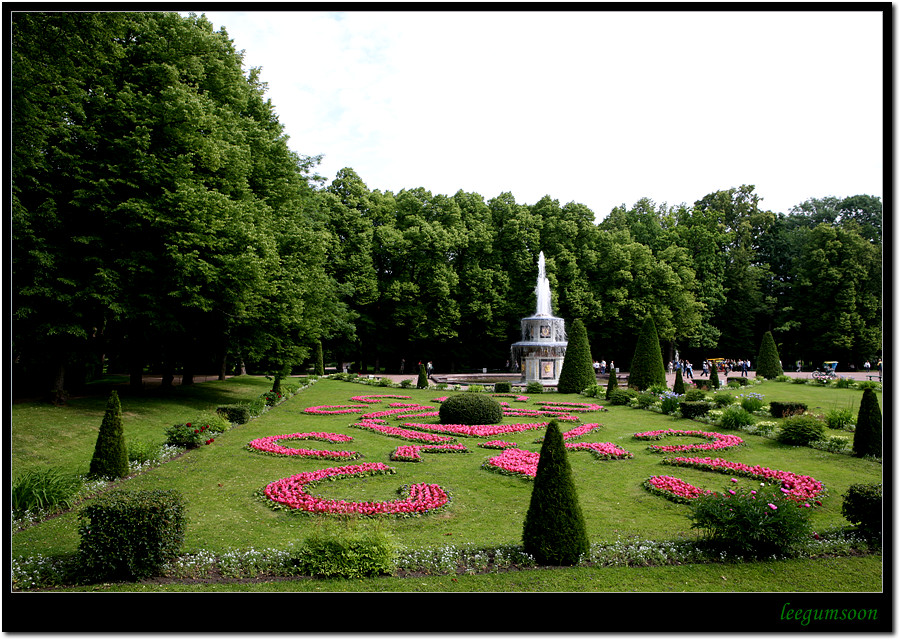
(534, 387)
(746, 524)
(129, 535)
(839, 418)
(722, 399)
(345, 554)
(320, 359)
(554, 530)
(578, 368)
(867, 439)
(234, 413)
(693, 409)
(678, 387)
(188, 436)
(801, 430)
(502, 387)
(735, 417)
(671, 402)
(862, 507)
(422, 381)
(612, 384)
(647, 366)
(470, 408)
(620, 396)
(714, 378)
(783, 409)
(39, 490)
(768, 362)
(694, 395)
(110, 453)
(752, 402)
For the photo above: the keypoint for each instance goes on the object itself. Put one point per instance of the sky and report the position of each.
(601, 108)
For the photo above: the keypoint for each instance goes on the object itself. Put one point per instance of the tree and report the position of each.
(647, 368)
(554, 531)
(320, 360)
(714, 377)
(577, 368)
(867, 439)
(768, 362)
(678, 387)
(422, 382)
(110, 453)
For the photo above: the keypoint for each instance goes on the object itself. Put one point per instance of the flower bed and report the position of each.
(269, 445)
(475, 430)
(336, 409)
(570, 406)
(412, 452)
(601, 450)
(397, 412)
(794, 486)
(498, 444)
(380, 426)
(522, 463)
(373, 398)
(674, 489)
(292, 493)
(719, 440)
(515, 412)
(576, 432)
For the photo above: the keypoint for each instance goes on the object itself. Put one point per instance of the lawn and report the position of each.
(221, 481)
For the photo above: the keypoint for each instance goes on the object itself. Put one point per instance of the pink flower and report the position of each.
(772, 507)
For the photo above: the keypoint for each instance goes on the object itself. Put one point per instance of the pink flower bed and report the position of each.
(719, 440)
(516, 397)
(794, 486)
(570, 406)
(674, 489)
(380, 426)
(601, 450)
(269, 445)
(498, 444)
(397, 412)
(522, 463)
(336, 409)
(475, 430)
(293, 493)
(412, 452)
(515, 412)
(373, 398)
(577, 432)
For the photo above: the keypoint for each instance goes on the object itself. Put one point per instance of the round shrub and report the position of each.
(801, 430)
(722, 399)
(752, 402)
(502, 387)
(470, 408)
(694, 395)
(534, 387)
(619, 396)
(862, 507)
(735, 417)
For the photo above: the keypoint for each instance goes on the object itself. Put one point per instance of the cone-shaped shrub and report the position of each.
(554, 532)
(422, 382)
(110, 453)
(320, 359)
(867, 438)
(577, 369)
(714, 377)
(647, 368)
(678, 387)
(768, 362)
(612, 384)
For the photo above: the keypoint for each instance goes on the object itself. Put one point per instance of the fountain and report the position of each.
(542, 349)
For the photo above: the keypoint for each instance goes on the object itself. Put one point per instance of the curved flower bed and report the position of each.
(412, 452)
(794, 486)
(515, 396)
(292, 493)
(570, 406)
(336, 409)
(522, 463)
(674, 489)
(269, 445)
(719, 440)
(498, 444)
(576, 432)
(379, 426)
(376, 397)
(516, 412)
(475, 430)
(397, 412)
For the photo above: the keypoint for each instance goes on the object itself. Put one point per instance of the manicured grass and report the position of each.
(220, 481)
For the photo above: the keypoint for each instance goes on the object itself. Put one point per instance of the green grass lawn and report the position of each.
(220, 481)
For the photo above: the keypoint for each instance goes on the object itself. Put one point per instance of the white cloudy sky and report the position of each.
(601, 108)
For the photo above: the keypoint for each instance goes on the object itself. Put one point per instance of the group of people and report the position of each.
(600, 367)
(725, 366)
(428, 368)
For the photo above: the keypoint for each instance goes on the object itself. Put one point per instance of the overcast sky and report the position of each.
(601, 108)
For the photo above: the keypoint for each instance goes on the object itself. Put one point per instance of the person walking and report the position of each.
(867, 366)
(596, 368)
(705, 372)
(689, 369)
(402, 366)
(429, 368)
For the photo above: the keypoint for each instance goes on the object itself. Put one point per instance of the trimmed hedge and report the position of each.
(470, 408)
(129, 535)
(785, 409)
(693, 409)
(234, 413)
(502, 387)
(862, 507)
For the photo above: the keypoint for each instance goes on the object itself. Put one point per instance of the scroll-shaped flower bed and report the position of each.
(674, 489)
(475, 430)
(380, 426)
(270, 445)
(519, 462)
(413, 452)
(554, 405)
(377, 397)
(293, 493)
(336, 409)
(576, 432)
(794, 486)
(718, 442)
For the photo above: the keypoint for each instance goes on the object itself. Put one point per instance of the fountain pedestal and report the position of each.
(542, 349)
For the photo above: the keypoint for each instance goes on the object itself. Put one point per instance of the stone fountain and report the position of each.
(541, 351)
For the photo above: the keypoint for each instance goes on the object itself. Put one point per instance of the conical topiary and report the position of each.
(110, 454)
(768, 362)
(554, 532)
(422, 382)
(647, 368)
(320, 359)
(577, 372)
(867, 437)
(678, 387)
(714, 377)
(612, 383)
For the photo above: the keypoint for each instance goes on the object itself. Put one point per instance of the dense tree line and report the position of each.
(161, 223)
